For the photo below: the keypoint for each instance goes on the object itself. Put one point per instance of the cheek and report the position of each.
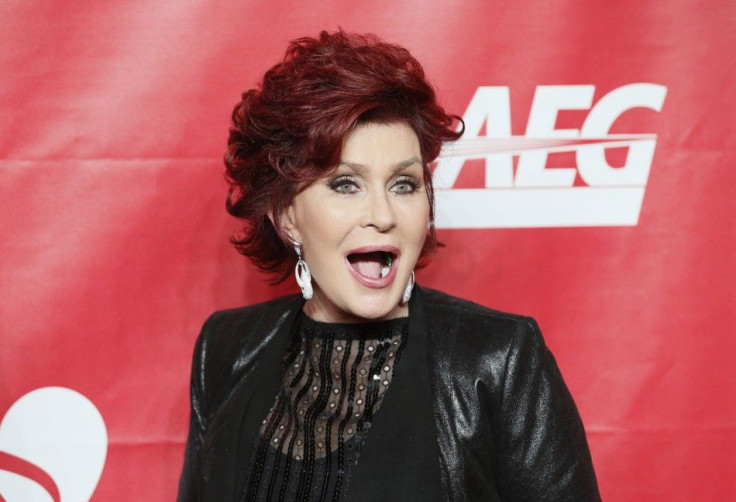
(415, 221)
(321, 207)
(322, 226)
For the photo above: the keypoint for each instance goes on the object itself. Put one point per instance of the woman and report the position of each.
(365, 387)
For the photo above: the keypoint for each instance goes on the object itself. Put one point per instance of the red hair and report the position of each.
(289, 130)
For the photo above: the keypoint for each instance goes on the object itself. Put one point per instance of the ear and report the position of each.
(285, 224)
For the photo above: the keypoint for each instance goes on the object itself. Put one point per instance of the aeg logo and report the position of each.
(537, 196)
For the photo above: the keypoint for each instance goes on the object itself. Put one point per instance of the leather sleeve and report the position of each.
(188, 481)
(543, 451)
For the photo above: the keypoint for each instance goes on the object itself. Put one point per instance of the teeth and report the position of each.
(389, 259)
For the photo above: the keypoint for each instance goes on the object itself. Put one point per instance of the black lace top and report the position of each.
(334, 378)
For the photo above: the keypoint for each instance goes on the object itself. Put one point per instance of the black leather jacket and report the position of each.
(477, 409)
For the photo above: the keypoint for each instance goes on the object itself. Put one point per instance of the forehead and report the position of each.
(380, 145)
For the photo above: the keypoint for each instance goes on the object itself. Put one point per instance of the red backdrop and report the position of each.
(114, 236)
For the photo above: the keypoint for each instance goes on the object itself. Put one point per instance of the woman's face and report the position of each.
(363, 226)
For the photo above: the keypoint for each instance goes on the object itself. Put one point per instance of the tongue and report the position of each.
(367, 264)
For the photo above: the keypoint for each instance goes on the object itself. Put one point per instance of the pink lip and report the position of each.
(371, 282)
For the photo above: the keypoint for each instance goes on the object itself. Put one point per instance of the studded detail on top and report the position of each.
(334, 379)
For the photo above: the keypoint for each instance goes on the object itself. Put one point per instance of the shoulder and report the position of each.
(465, 314)
(231, 340)
(463, 332)
(459, 305)
(225, 330)
(230, 319)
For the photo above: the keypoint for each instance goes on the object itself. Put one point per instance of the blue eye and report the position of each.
(343, 184)
(405, 185)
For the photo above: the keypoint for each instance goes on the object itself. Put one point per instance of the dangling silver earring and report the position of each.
(302, 273)
(409, 287)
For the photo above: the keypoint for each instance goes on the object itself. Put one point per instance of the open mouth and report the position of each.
(374, 264)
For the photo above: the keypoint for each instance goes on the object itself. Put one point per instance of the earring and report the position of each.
(302, 273)
(409, 287)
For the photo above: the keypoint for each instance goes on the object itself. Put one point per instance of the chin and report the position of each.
(377, 309)
(376, 314)
(356, 305)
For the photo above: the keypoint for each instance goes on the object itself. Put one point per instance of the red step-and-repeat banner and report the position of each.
(593, 190)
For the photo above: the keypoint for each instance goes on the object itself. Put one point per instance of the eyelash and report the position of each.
(407, 180)
(336, 184)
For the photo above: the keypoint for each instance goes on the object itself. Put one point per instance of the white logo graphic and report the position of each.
(538, 196)
(53, 444)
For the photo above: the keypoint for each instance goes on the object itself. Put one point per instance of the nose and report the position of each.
(378, 212)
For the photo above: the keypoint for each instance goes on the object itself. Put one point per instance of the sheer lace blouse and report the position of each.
(334, 378)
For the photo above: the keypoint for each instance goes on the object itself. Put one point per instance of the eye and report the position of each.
(344, 184)
(405, 185)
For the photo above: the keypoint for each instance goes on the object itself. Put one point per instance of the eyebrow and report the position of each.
(361, 169)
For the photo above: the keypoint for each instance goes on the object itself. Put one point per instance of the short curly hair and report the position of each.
(289, 130)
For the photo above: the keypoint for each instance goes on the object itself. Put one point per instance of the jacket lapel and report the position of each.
(235, 435)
